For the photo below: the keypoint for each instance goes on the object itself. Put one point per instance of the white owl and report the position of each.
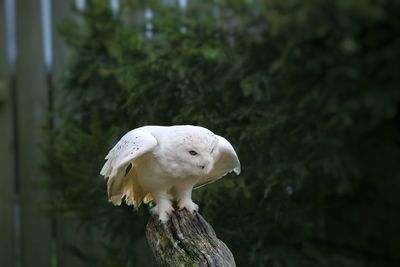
(163, 163)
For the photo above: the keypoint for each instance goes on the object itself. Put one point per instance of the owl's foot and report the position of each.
(163, 209)
(188, 204)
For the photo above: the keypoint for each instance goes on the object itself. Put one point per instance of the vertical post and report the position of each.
(32, 104)
(183, 5)
(7, 156)
(148, 15)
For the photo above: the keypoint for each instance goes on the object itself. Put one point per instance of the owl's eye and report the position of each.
(192, 152)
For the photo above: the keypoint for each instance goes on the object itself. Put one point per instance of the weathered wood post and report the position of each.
(186, 240)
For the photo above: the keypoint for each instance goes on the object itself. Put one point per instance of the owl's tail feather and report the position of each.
(126, 186)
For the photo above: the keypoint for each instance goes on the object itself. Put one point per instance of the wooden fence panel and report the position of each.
(7, 189)
(32, 98)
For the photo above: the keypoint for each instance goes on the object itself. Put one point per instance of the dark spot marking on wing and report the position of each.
(128, 168)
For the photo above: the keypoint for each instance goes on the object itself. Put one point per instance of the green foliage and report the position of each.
(306, 91)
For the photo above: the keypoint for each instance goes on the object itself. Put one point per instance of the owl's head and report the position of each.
(190, 151)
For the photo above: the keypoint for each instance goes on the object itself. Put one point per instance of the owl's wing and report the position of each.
(226, 161)
(120, 165)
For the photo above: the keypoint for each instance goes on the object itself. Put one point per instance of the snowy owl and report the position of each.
(163, 163)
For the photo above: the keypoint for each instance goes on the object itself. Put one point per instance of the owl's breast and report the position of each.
(153, 173)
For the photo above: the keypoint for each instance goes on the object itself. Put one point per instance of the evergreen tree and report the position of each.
(307, 92)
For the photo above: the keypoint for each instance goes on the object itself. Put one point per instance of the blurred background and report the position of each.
(306, 91)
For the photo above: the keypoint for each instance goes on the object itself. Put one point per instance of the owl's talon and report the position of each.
(163, 211)
(164, 220)
(189, 205)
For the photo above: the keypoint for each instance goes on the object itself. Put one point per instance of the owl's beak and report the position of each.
(207, 165)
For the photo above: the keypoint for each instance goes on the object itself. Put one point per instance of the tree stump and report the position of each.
(186, 240)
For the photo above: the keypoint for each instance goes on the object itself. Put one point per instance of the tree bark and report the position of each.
(186, 240)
